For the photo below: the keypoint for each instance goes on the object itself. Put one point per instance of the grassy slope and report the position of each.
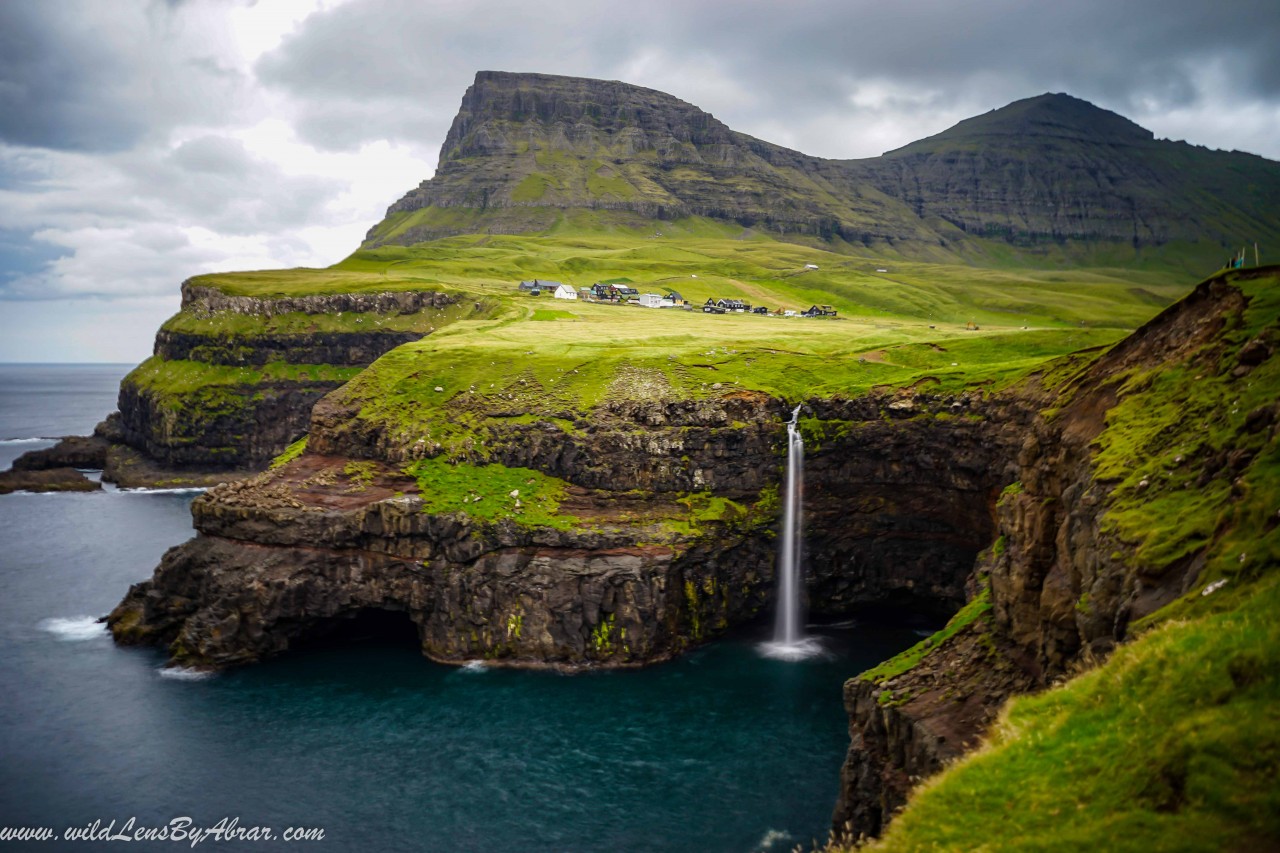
(1174, 743)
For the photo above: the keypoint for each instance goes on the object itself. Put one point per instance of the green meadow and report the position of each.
(899, 322)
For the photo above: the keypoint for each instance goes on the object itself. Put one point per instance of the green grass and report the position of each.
(491, 493)
(1173, 423)
(1173, 744)
(976, 609)
(290, 453)
(582, 248)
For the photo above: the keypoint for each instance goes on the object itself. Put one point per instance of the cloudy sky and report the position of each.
(144, 141)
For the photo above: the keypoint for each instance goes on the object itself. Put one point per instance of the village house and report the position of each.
(735, 305)
(760, 310)
(536, 286)
(820, 311)
(564, 291)
(621, 292)
(676, 298)
(601, 291)
(711, 307)
(653, 300)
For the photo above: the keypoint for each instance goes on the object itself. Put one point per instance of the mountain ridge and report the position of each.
(1043, 176)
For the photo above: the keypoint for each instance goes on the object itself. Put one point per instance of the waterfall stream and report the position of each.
(789, 641)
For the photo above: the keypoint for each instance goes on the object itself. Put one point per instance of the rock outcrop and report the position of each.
(1064, 584)
(233, 380)
(54, 479)
(637, 574)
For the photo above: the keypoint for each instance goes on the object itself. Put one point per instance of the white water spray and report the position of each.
(788, 640)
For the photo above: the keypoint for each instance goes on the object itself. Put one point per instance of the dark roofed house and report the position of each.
(712, 307)
(535, 287)
(601, 291)
(819, 311)
(735, 305)
(760, 310)
(623, 291)
(675, 297)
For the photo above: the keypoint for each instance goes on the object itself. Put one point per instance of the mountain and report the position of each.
(1037, 178)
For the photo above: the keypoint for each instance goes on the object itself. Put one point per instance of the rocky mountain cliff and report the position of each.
(1051, 173)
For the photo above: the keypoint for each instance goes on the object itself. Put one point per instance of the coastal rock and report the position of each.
(46, 480)
(88, 452)
(1063, 585)
(898, 513)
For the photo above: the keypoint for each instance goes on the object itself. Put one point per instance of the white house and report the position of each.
(564, 291)
(653, 300)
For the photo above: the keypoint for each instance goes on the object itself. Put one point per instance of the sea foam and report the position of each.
(74, 630)
(182, 673)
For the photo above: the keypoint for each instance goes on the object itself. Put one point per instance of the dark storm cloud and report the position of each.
(92, 76)
(773, 65)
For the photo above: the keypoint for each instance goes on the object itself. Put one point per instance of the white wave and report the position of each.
(182, 673)
(74, 630)
(809, 647)
(183, 490)
(475, 666)
(772, 839)
(26, 440)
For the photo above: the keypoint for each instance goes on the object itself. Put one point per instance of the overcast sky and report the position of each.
(142, 142)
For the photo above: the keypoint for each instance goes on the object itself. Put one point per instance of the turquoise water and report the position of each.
(721, 750)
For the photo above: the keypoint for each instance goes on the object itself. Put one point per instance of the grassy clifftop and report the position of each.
(1173, 742)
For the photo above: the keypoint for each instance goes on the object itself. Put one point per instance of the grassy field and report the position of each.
(703, 259)
(899, 322)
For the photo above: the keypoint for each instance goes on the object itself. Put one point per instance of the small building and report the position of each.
(564, 291)
(811, 266)
(820, 311)
(622, 292)
(712, 307)
(790, 313)
(675, 297)
(535, 287)
(601, 291)
(735, 305)
(653, 300)
(760, 310)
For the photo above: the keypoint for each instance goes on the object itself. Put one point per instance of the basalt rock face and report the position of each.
(1046, 173)
(1063, 585)
(525, 146)
(289, 553)
(180, 412)
(1055, 168)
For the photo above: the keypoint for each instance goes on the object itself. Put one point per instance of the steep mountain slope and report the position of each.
(1055, 168)
(524, 148)
(1040, 180)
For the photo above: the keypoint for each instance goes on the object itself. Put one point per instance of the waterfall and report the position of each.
(789, 641)
(790, 543)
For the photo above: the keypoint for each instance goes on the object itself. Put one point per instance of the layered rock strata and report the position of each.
(1063, 585)
(1046, 173)
(632, 579)
(179, 411)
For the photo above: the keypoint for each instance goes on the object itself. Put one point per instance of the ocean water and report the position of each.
(43, 402)
(722, 750)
